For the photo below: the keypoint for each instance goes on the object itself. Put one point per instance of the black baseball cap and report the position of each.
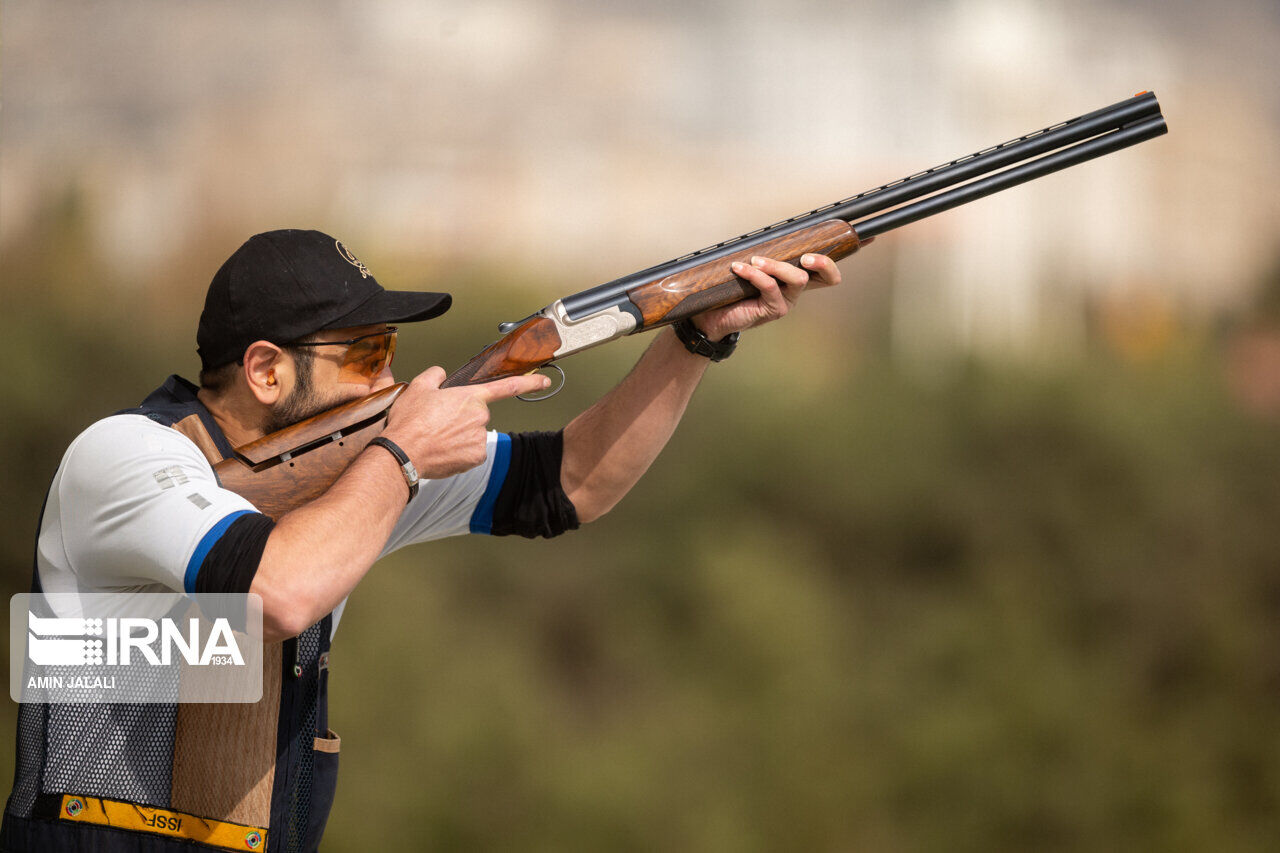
(284, 285)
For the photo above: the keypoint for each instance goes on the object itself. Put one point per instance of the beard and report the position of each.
(303, 402)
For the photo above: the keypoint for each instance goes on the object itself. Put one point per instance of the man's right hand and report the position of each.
(444, 429)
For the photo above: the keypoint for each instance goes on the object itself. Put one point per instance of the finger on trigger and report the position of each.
(513, 386)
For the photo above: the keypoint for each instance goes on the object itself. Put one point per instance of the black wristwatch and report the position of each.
(699, 344)
(406, 464)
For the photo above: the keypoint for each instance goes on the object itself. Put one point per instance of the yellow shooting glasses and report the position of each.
(366, 356)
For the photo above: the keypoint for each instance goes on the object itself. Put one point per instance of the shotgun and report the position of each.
(297, 464)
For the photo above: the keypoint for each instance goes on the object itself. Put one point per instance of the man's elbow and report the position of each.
(282, 615)
(588, 507)
(280, 624)
(278, 627)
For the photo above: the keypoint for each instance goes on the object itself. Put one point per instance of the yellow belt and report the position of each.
(218, 833)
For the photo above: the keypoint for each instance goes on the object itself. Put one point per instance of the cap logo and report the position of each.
(351, 259)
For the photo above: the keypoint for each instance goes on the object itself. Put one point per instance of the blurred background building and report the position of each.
(991, 558)
(582, 140)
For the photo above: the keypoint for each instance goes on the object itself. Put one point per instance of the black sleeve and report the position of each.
(233, 560)
(532, 502)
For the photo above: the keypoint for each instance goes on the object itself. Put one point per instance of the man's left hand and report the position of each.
(780, 285)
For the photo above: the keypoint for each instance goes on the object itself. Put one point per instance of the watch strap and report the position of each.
(696, 342)
(406, 464)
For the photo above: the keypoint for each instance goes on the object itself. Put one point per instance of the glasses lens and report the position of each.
(368, 357)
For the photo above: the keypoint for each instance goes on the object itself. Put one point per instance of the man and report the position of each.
(294, 324)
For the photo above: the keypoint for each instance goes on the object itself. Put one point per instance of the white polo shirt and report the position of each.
(135, 506)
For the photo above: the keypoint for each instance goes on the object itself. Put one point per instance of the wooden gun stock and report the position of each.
(532, 344)
(282, 471)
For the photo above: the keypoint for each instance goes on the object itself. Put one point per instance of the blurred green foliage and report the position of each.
(986, 608)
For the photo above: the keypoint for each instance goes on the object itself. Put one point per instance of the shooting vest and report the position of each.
(157, 778)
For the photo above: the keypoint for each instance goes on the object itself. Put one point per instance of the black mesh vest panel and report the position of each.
(126, 752)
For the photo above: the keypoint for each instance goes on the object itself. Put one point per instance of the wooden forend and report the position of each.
(713, 284)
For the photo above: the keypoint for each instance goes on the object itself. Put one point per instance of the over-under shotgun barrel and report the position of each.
(701, 280)
(1140, 110)
(1105, 144)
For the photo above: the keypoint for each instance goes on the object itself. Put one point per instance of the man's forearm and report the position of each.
(609, 446)
(316, 554)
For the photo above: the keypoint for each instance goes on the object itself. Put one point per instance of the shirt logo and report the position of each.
(169, 477)
(351, 259)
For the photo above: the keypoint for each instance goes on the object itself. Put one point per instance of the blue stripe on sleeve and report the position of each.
(206, 545)
(482, 517)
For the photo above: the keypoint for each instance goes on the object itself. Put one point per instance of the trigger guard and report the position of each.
(549, 394)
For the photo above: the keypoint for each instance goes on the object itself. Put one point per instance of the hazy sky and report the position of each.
(614, 135)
